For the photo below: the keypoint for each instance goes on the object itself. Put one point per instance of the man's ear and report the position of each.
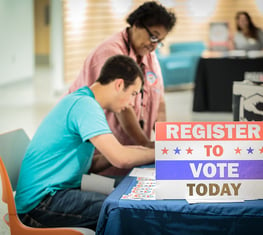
(119, 84)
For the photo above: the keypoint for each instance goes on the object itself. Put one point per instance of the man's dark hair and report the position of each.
(152, 14)
(120, 66)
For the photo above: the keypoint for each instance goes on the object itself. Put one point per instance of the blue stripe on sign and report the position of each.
(207, 170)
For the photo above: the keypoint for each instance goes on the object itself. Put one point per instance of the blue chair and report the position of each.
(179, 66)
(191, 48)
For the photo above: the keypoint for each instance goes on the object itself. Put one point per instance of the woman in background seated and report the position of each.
(248, 35)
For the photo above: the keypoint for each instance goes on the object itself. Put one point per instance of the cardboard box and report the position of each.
(247, 101)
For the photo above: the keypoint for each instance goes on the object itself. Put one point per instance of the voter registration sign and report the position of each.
(209, 161)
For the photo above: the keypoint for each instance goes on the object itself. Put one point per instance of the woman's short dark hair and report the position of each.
(120, 66)
(152, 14)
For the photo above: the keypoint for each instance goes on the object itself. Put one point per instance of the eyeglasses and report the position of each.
(153, 38)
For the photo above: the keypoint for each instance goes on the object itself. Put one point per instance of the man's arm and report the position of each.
(122, 156)
(132, 128)
(99, 163)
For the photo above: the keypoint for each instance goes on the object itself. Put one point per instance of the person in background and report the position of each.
(149, 24)
(61, 151)
(248, 35)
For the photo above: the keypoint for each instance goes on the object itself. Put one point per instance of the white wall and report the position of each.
(57, 46)
(16, 40)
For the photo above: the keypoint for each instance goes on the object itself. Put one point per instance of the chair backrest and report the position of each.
(13, 146)
(12, 149)
(195, 47)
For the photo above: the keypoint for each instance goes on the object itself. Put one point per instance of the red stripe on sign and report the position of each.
(169, 131)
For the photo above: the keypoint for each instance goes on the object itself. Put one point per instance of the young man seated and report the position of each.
(61, 151)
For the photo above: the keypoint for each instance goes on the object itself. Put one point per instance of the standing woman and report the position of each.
(148, 25)
(248, 35)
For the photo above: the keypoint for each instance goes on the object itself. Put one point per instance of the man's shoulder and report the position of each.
(83, 91)
(80, 96)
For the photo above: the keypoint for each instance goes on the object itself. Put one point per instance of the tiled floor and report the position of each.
(24, 104)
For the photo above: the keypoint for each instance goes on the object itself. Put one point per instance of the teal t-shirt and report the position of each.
(60, 151)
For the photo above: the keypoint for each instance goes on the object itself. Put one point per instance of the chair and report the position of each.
(179, 65)
(12, 149)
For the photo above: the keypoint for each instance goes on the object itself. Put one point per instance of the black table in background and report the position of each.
(214, 81)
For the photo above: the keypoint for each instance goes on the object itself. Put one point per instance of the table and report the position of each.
(176, 217)
(214, 81)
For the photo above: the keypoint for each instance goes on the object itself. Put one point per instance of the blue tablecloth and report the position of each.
(150, 217)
